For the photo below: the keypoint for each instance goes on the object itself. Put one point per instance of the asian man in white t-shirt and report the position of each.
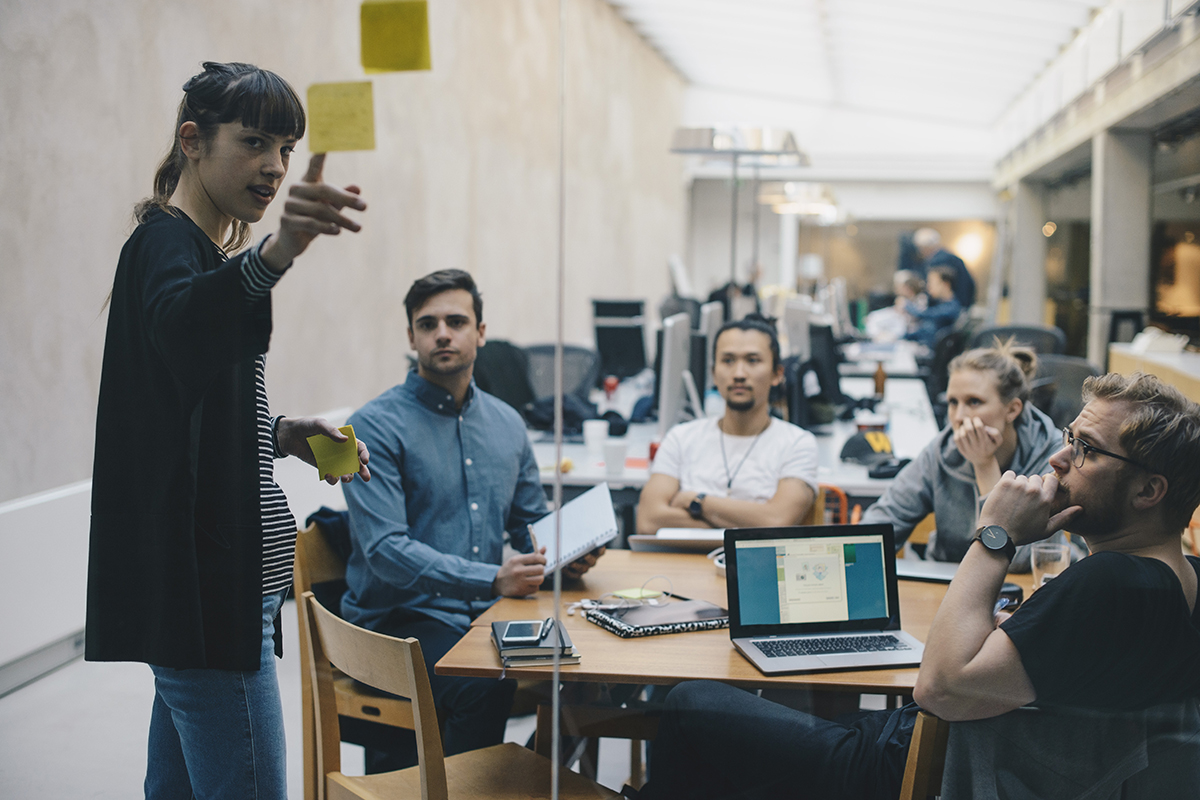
(746, 469)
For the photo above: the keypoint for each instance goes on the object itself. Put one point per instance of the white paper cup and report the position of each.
(595, 431)
(614, 456)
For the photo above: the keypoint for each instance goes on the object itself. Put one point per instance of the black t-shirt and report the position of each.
(1112, 633)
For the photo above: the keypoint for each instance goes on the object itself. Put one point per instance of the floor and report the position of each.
(80, 732)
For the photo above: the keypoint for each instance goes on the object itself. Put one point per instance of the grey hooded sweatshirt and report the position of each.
(940, 480)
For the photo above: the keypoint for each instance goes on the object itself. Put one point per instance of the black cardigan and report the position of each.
(175, 563)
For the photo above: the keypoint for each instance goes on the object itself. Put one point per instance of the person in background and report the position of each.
(1118, 632)
(929, 244)
(454, 472)
(991, 427)
(192, 541)
(942, 310)
(745, 469)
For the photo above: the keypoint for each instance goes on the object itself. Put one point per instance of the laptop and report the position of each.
(816, 598)
(915, 569)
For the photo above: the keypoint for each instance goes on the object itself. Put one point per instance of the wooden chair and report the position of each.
(926, 758)
(920, 534)
(316, 562)
(397, 666)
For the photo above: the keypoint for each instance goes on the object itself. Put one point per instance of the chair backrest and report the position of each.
(926, 758)
(581, 369)
(1066, 374)
(816, 514)
(1042, 338)
(383, 662)
(316, 561)
(502, 369)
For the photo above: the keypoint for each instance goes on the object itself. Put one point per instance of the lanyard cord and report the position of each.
(725, 460)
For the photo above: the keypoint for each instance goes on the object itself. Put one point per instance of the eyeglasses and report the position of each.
(1080, 450)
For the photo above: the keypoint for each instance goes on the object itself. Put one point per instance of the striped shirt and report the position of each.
(278, 525)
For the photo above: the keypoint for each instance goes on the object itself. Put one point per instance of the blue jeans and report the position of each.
(219, 733)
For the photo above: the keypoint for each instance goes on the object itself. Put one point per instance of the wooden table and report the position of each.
(669, 659)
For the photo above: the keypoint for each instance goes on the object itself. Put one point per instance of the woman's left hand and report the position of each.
(293, 433)
(977, 441)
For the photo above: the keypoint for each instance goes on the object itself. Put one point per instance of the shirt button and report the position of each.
(474, 506)
(439, 594)
(439, 406)
(460, 417)
(474, 549)
(468, 462)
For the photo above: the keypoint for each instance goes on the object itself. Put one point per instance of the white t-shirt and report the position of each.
(691, 454)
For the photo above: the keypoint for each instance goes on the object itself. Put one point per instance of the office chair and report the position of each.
(502, 369)
(1042, 338)
(1065, 376)
(581, 370)
(396, 666)
(317, 563)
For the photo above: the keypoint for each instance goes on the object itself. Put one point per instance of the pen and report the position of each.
(546, 626)
(532, 537)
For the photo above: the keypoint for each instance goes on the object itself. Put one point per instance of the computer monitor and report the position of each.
(676, 352)
(825, 356)
(712, 316)
(796, 315)
(620, 336)
(842, 328)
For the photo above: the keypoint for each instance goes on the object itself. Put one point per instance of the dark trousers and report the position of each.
(715, 741)
(473, 711)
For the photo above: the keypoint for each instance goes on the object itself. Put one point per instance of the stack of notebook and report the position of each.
(526, 655)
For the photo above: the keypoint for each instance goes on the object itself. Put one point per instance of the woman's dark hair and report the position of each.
(444, 280)
(224, 93)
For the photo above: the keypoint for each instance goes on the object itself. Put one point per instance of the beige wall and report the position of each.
(465, 174)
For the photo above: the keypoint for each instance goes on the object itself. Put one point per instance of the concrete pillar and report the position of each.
(1027, 276)
(1122, 164)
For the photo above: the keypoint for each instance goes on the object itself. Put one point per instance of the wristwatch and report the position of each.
(996, 538)
(696, 507)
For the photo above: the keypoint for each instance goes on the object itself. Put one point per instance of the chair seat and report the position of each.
(497, 773)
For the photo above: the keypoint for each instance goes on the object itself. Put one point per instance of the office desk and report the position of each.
(899, 359)
(911, 427)
(669, 659)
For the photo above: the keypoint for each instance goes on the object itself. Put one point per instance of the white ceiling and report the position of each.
(959, 61)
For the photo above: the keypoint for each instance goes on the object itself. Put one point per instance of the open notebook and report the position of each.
(588, 522)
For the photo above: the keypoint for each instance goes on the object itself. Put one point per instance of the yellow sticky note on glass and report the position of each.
(335, 458)
(395, 35)
(341, 116)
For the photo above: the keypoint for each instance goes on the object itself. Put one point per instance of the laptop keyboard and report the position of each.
(777, 648)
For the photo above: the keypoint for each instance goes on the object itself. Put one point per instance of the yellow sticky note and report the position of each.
(335, 458)
(395, 35)
(636, 594)
(341, 116)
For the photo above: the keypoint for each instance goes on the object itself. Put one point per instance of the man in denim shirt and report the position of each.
(455, 471)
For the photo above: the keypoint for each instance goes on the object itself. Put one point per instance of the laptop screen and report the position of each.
(811, 579)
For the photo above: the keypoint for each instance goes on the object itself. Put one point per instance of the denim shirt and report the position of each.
(427, 531)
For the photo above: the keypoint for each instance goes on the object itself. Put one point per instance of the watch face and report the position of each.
(994, 537)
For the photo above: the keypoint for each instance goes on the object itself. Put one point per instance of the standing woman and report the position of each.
(992, 427)
(191, 539)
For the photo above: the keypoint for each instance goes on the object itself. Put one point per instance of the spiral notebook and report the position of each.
(678, 616)
(588, 522)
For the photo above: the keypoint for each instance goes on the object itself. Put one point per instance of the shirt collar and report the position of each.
(434, 397)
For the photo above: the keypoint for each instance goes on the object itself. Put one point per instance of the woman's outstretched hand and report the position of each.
(313, 207)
